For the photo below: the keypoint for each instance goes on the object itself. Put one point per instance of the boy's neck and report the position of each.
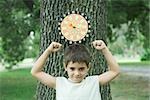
(74, 81)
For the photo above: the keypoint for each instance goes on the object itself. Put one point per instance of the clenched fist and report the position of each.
(99, 45)
(54, 46)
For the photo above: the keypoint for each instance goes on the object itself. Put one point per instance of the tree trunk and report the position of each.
(51, 12)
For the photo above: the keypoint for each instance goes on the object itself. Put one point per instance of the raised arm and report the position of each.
(113, 65)
(37, 72)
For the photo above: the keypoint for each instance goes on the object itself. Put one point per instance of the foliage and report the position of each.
(136, 14)
(32, 44)
(121, 11)
(16, 22)
(146, 55)
(129, 42)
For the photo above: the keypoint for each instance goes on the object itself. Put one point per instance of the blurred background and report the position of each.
(128, 37)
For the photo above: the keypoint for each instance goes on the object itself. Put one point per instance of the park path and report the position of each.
(138, 71)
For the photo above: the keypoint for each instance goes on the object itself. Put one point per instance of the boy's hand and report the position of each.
(54, 46)
(99, 45)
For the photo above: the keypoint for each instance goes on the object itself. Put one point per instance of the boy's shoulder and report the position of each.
(61, 78)
(93, 77)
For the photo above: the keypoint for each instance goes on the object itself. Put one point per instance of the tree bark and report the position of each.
(51, 12)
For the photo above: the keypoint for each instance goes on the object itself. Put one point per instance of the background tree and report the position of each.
(51, 12)
(135, 13)
(17, 20)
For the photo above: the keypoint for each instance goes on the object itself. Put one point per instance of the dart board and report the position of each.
(74, 27)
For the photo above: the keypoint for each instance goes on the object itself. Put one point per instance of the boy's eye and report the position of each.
(72, 68)
(81, 69)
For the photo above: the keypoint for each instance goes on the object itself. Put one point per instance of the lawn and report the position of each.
(20, 85)
(17, 85)
(135, 64)
(129, 87)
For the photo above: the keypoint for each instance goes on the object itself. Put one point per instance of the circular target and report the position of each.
(74, 27)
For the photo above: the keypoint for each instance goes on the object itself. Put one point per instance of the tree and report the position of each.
(130, 11)
(16, 23)
(51, 12)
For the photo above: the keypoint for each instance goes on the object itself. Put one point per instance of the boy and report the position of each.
(77, 86)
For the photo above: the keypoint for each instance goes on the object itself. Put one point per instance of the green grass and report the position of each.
(135, 64)
(128, 87)
(17, 85)
(20, 85)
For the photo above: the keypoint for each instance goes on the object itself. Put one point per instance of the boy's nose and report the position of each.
(77, 73)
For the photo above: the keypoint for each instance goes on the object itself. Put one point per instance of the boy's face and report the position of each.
(76, 71)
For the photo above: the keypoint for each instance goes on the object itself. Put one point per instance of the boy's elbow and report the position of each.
(117, 72)
(33, 72)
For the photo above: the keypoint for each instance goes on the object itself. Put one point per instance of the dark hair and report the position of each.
(77, 53)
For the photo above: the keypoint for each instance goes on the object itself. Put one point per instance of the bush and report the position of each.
(146, 55)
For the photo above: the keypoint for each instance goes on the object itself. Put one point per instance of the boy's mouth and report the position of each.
(78, 77)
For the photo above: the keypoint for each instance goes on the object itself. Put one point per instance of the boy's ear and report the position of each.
(89, 66)
(64, 64)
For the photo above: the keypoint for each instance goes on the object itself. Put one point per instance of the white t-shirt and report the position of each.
(88, 89)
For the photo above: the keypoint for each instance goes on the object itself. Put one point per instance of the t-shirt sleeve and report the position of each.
(60, 87)
(94, 79)
(60, 82)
